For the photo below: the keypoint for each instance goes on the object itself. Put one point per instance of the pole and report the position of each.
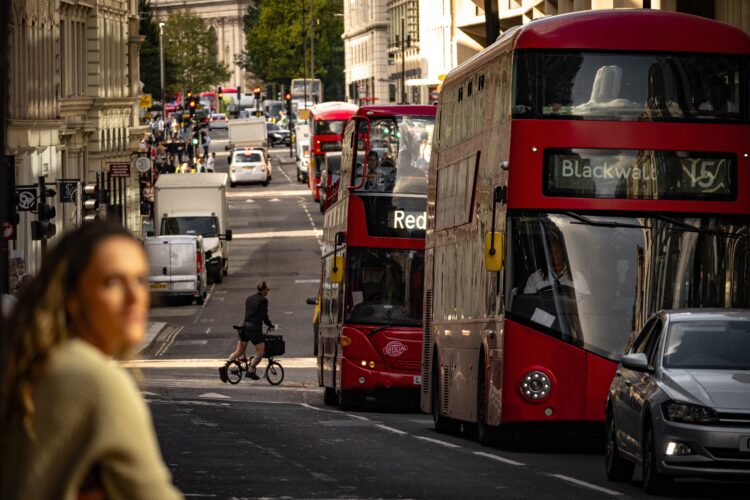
(7, 169)
(403, 63)
(304, 53)
(491, 22)
(312, 53)
(161, 58)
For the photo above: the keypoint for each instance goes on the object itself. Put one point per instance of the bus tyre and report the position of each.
(443, 425)
(329, 397)
(350, 400)
(654, 482)
(617, 468)
(487, 435)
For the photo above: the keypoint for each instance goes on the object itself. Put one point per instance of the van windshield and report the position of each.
(203, 226)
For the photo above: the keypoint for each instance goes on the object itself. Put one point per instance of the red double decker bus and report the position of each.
(370, 335)
(588, 170)
(326, 126)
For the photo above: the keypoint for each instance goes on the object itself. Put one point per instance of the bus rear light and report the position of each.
(365, 364)
(535, 385)
(345, 341)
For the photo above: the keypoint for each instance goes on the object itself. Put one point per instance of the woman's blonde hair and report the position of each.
(40, 322)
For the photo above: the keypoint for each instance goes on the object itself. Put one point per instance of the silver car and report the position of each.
(679, 404)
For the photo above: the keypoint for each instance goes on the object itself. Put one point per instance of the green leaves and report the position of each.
(277, 31)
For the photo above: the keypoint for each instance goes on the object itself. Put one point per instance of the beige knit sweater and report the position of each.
(89, 412)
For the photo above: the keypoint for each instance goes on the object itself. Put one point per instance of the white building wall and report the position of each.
(366, 50)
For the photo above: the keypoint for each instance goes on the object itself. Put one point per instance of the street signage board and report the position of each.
(119, 169)
(68, 191)
(143, 164)
(26, 198)
(145, 101)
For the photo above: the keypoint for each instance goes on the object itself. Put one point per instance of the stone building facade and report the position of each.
(74, 83)
(367, 65)
(225, 18)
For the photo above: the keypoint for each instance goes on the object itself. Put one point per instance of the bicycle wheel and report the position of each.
(274, 373)
(234, 372)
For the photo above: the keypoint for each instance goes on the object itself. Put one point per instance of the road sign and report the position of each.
(9, 230)
(145, 101)
(143, 164)
(119, 169)
(26, 198)
(68, 190)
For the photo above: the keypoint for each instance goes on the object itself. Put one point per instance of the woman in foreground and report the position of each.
(74, 424)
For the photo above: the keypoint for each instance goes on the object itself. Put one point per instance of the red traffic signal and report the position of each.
(256, 92)
(287, 96)
(192, 103)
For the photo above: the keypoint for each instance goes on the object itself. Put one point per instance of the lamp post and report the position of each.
(161, 58)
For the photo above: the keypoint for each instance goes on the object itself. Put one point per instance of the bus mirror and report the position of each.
(337, 269)
(493, 251)
(340, 238)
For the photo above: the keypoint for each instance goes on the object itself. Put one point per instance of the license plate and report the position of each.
(745, 443)
(417, 380)
(158, 285)
(248, 169)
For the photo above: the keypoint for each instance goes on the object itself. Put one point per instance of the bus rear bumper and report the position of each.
(354, 377)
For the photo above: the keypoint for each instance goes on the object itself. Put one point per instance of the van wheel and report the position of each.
(200, 299)
(265, 184)
(218, 277)
(299, 176)
(232, 184)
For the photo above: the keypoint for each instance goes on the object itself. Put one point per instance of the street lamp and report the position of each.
(161, 58)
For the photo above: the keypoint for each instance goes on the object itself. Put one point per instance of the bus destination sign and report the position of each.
(395, 216)
(640, 174)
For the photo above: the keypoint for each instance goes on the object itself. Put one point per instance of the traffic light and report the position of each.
(256, 93)
(90, 202)
(188, 95)
(288, 101)
(43, 228)
(220, 93)
(192, 105)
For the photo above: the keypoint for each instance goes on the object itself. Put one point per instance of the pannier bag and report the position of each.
(275, 345)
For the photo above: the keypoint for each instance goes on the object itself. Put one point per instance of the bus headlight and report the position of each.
(535, 385)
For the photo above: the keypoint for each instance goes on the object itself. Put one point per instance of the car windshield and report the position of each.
(248, 158)
(328, 127)
(271, 126)
(385, 286)
(204, 226)
(398, 158)
(631, 87)
(593, 280)
(717, 345)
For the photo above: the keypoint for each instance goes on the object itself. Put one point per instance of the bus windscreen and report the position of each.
(630, 87)
(640, 174)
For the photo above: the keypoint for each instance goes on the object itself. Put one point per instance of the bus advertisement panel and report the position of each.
(582, 180)
(326, 126)
(370, 336)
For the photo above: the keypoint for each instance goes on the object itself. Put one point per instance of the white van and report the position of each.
(177, 267)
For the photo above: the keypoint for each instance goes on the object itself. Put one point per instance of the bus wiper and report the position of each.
(585, 220)
(376, 330)
(692, 229)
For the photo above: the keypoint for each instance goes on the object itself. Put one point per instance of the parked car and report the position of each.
(302, 159)
(278, 135)
(218, 120)
(679, 404)
(177, 267)
(249, 165)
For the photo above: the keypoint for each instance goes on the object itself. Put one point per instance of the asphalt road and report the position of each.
(254, 440)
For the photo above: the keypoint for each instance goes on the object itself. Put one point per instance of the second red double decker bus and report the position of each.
(370, 335)
(589, 169)
(326, 126)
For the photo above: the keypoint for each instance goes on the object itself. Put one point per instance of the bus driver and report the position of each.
(558, 273)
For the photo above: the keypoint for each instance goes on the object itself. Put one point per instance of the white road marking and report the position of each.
(498, 458)
(358, 417)
(323, 477)
(303, 233)
(146, 393)
(268, 194)
(587, 485)
(169, 341)
(437, 441)
(214, 395)
(205, 303)
(208, 330)
(274, 200)
(391, 429)
(316, 281)
(250, 200)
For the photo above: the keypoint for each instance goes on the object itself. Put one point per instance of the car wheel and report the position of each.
(654, 482)
(200, 300)
(232, 184)
(265, 183)
(218, 277)
(299, 176)
(617, 468)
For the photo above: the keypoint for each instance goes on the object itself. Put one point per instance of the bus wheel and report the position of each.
(350, 400)
(443, 425)
(486, 434)
(329, 397)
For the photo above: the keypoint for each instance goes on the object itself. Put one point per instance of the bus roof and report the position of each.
(334, 114)
(637, 30)
(396, 110)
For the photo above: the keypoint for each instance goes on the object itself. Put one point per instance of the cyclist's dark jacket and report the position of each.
(256, 313)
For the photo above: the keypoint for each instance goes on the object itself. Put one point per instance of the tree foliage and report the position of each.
(277, 32)
(150, 64)
(191, 55)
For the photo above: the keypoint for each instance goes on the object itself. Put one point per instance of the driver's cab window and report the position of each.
(361, 145)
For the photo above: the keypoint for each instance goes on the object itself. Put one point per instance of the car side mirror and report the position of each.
(229, 235)
(312, 300)
(637, 361)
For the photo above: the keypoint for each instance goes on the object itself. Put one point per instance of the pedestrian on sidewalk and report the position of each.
(211, 163)
(74, 424)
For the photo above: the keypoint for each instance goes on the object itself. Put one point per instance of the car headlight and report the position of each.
(688, 413)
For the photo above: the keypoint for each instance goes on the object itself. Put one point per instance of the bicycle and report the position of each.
(274, 371)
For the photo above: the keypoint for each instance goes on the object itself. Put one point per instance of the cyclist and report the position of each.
(256, 313)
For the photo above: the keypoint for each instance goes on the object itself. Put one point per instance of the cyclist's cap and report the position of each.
(262, 286)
